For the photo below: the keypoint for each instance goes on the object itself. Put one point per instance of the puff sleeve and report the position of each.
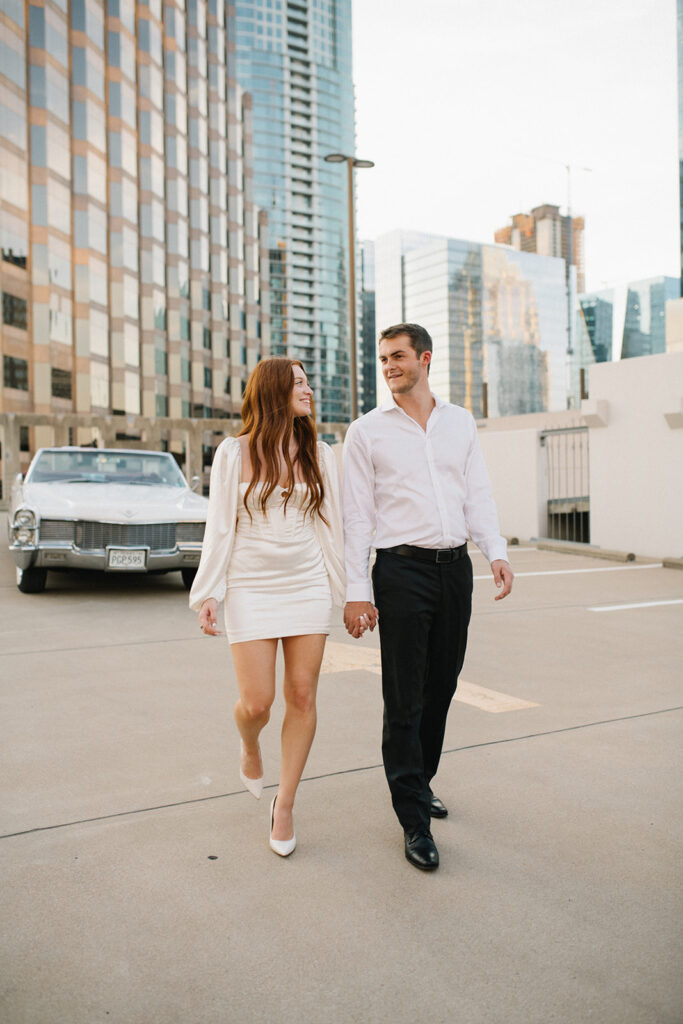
(219, 534)
(331, 536)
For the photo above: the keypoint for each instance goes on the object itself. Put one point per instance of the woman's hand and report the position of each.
(207, 617)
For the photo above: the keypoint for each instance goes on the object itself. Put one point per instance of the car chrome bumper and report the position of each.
(56, 555)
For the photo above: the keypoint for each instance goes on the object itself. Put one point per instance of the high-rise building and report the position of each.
(367, 398)
(680, 124)
(548, 233)
(645, 316)
(294, 58)
(497, 318)
(630, 320)
(131, 241)
(596, 309)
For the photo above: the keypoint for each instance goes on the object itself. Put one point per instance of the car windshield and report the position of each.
(106, 467)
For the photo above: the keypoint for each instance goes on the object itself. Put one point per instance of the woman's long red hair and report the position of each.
(271, 425)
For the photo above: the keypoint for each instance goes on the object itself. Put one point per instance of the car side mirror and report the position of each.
(195, 481)
(19, 479)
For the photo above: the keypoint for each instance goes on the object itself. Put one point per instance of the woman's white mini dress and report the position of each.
(277, 583)
(277, 572)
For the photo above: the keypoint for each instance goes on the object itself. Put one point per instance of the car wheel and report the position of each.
(188, 577)
(31, 581)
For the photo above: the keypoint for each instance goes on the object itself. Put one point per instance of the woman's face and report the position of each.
(302, 395)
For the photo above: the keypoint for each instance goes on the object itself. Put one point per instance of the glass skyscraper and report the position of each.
(131, 240)
(680, 124)
(596, 311)
(294, 58)
(645, 317)
(497, 317)
(367, 398)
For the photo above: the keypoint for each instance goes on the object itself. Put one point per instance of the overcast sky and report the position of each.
(470, 109)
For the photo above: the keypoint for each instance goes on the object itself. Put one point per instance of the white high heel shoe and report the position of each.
(283, 847)
(255, 786)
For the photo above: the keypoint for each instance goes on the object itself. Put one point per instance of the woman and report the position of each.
(273, 549)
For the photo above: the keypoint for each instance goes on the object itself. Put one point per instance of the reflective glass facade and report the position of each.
(294, 58)
(597, 317)
(680, 123)
(497, 318)
(367, 383)
(626, 321)
(131, 242)
(645, 316)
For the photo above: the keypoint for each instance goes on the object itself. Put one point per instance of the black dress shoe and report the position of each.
(421, 850)
(437, 809)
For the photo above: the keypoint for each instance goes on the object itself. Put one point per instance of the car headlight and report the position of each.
(25, 517)
(23, 535)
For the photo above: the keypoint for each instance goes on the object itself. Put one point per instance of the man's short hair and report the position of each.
(419, 338)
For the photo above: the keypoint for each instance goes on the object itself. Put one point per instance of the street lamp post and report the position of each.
(351, 162)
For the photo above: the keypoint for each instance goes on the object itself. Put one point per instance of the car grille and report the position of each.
(157, 536)
(56, 529)
(93, 536)
(190, 532)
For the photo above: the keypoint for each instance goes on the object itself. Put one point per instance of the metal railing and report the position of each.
(567, 483)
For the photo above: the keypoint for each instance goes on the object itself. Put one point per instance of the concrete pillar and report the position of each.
(10, 455)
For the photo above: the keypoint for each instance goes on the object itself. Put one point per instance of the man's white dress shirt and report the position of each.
(406, 485)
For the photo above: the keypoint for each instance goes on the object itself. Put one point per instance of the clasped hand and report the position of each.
(359, 616)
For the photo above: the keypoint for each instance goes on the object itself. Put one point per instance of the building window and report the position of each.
(61, 383)
(13, 311)
(207, 377)
(206, 337)
(15, 373)
(160, 362)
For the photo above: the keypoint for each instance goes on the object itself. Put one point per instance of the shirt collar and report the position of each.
(391, 403)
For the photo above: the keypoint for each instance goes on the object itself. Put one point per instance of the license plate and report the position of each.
(127, 558)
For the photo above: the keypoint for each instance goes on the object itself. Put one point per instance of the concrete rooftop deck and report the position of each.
(139, 887)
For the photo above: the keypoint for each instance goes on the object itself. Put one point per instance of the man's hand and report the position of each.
(207, 617)
(359, 616)
(503, 575)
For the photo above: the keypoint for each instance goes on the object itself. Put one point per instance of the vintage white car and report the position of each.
(117, 510)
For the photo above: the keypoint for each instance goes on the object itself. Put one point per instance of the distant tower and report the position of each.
(680, 123)
(294, 58)
(546, 232)
(367, 398)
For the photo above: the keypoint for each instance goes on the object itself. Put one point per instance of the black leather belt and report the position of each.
(438, 555)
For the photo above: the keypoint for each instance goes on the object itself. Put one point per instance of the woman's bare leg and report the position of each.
(255, 669)
(303, 657)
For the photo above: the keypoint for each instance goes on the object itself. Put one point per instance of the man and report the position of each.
(415, 487)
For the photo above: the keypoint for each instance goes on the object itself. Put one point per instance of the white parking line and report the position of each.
(570, 572)
(642, 604)
(490, 700)
(340, 657)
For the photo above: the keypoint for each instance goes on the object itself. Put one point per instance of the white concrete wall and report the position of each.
(635, 420)
(513, 459)
(636, 460)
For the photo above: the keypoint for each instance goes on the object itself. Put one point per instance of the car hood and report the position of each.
(114, 503)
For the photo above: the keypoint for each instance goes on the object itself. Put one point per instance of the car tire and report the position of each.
(31, 581)
(188, 577)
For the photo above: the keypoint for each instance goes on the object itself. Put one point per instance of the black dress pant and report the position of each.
(424, 611)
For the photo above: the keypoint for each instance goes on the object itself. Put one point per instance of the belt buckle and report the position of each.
(447, 553)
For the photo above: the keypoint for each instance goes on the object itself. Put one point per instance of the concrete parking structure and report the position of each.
(138, 883)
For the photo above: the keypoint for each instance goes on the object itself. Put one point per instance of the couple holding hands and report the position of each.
(275, 551)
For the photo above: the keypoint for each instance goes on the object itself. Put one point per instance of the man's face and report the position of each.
(401, 365)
